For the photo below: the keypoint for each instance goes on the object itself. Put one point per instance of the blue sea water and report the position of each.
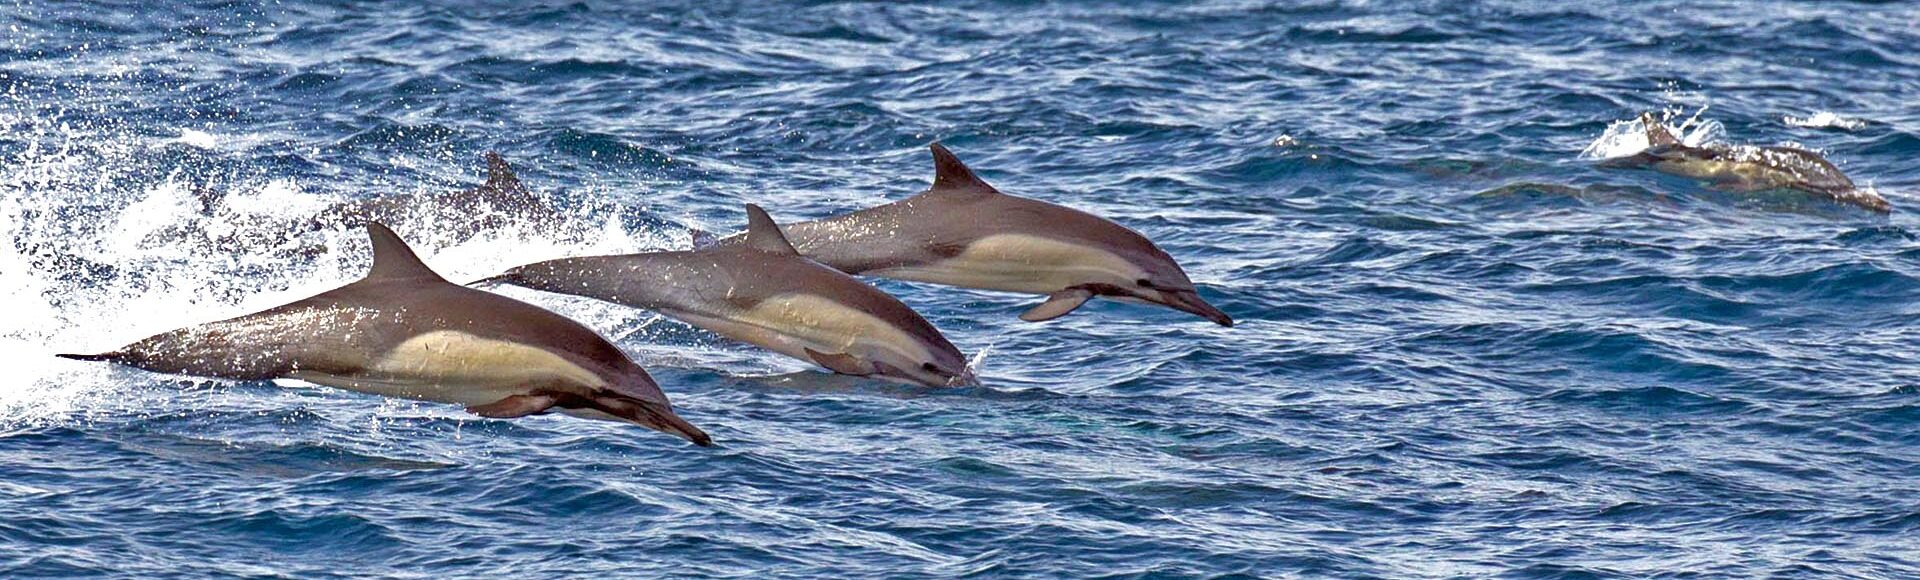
(1464, 348)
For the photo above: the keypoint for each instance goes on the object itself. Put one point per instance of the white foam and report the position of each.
(978, 364)
(1628, 137)
(88, 263)
(1824, 120)
(275, 197)
(201, 139)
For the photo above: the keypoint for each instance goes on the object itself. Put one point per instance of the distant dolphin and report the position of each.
(763, 292)
(404, 332)
(963, 232)
(1745, 168)
(500, 202)
(459, 215)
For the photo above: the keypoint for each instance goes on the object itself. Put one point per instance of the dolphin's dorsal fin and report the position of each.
(949, 174)
(764, 235)
(1657, 133)
(392, 259)
(499, 175)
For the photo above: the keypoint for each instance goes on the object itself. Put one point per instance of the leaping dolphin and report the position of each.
(761, 291)
(1746, 168)
(403, 331)
(964, 232)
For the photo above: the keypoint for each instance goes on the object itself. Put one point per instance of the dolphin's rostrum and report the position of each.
(403, 331)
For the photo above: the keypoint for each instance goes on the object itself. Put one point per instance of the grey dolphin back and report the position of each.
(1814, 171)
(312, 333)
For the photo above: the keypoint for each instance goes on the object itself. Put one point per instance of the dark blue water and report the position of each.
(1464, 349)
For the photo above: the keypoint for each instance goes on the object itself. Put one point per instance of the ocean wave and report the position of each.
(1466, 346)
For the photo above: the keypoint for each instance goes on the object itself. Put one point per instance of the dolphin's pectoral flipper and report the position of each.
(841, 363)
(1058, 304)
(515, 406)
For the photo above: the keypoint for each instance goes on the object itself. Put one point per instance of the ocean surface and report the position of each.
(1465, 348)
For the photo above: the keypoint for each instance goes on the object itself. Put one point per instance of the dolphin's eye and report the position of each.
(1144, 283)
(937, 371)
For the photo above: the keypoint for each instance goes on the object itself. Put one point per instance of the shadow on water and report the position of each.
(821, 383)
(1670, 194)
(282, 460)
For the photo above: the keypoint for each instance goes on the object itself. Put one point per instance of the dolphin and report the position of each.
(1746, 168)
(500, 201)
(762, 291)
(964, 232)
(403, 331)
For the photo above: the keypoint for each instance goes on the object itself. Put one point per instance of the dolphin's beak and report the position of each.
(933, 377)
(1190, 301)
(1866, 199)
(662, 419)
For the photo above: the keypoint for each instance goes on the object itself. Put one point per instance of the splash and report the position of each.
(1627, 137)
(201, 139)
(1824, 120)
(978, 364)
(96, 251)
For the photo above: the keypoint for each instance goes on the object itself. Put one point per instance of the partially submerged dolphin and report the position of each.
(402, 331)
(458, 215)
(500, 202)
(761, 291)
(963, 232)
(1746, 168)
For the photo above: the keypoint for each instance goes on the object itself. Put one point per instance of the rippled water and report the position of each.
(1464, 348)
